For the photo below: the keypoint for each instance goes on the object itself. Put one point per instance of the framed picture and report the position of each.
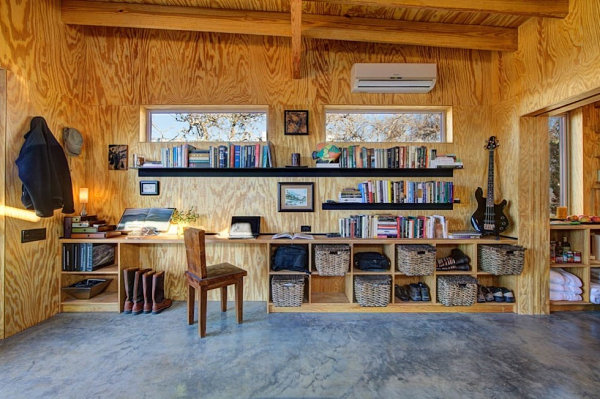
(117, 157)
(296, 122)
(149, 187)
(295, 197)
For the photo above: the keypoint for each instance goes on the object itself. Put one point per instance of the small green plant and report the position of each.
(185, 216)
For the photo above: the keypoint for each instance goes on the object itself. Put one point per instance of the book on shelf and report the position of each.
(293, 236)
(87, 257)
(104, 234)
(467, 234)
(400, 192)
(391, 226)
(399, 157)
(101, 228)
(327, 165)
(230, 155)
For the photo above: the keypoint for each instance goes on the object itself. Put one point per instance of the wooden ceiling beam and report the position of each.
(527, 8)
(147, 16)
(296, 22)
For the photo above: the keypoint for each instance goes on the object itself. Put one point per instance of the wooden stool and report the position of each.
(202, 278)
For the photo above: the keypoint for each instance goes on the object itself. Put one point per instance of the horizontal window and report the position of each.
(214, 125)
(384, 125)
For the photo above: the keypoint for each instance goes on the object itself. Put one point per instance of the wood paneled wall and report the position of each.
(43, 59)
(557, 60)
(2, 192)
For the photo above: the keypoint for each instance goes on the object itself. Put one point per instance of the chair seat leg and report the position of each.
(239, 300)
(202, 299)
(191, 298)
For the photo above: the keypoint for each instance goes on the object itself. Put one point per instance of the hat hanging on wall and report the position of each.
(73, 141)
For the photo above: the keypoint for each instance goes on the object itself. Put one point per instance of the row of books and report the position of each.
(399, 192)
(394, 157)
(391, 226)
(87, 257)
(258, 155)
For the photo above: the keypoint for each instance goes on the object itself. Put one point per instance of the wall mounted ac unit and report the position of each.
(393, 78)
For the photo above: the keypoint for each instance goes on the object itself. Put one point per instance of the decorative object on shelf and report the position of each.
(326, 153)
(332, 260)
(296, 122)
(73, 141)
(149, 187)
(183, 219)
(457, 290)
(138, 161)
(295, 197)
(372, 290)
(295, 159)
(244, 227)
(489, 217)
(117, 157)
(501, 259)
(86, 289)
(83, 199)
(561, 212)
(287, 291)
(415, 260)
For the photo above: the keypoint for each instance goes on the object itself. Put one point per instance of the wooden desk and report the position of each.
(323, 294)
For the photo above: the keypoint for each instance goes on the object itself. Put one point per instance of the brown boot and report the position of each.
(147, 285)
(128, 279)
(160, 303)
(138, 292)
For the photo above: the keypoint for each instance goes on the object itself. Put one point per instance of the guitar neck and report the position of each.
(490, 188)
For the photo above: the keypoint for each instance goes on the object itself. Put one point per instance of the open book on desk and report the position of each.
(294, 236)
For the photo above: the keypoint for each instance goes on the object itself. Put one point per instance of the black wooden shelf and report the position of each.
(293, 172)
(349, 206)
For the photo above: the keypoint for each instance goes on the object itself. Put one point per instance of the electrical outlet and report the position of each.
(305, 229)
(33, 235)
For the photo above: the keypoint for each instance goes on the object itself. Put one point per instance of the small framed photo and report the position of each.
(149, 187)
(296, 122)
(295, 197)
(117, 157)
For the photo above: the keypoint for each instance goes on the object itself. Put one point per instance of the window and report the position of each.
(385, 125)
(207, 125)
(557, 126)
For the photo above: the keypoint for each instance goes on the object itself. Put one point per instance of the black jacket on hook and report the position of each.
(44, 171)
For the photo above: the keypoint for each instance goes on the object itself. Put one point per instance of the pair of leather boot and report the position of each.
(144, 291)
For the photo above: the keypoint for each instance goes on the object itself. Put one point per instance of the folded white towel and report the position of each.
(569, 289)
(570, 278)
(595, 299)
(563, 296)
(556, 277)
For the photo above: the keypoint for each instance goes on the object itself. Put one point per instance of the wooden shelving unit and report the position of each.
(579, 235)
(346, 206)
(295, 172)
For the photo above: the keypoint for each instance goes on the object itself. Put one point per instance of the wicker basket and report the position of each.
(287, 291)
(332, 260)
(415, 260)
(457, 290)
(372, 290)
(501, 259)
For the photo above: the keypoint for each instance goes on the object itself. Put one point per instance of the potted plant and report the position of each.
(183, 219)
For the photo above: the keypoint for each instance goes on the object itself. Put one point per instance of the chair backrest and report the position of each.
(194, 250)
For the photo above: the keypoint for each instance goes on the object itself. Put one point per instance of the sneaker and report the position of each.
(487, 293)
(498, 294)
(509, 297)
(480, 295)
(424, 292)
(414, 291)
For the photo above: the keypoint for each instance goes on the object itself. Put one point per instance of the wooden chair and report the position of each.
(202, 278)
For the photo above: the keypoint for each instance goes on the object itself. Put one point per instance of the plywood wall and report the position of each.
(43, 66)
(2, 190)
(557, 60)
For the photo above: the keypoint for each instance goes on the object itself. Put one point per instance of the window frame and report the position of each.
(147, 111)
(445, 126)
(564, 150)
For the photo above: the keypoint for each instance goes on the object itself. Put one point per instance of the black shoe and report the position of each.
(487, 293)
(459, 257)
(498, 294)
(509, 296)
(480, 295)
(401, 293)
(424, 292)
(414, 292)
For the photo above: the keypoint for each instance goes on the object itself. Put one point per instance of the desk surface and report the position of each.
(267, 239)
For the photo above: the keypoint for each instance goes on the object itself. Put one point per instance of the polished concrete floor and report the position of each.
(304, 356)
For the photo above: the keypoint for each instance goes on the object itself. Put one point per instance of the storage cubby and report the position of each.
(405, 280)
(273, 248)
(470, 250)
(385, 249)
(331, 289)
(305, 295)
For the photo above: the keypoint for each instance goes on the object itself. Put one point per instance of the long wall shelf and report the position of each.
(294, 172)
(347, 206)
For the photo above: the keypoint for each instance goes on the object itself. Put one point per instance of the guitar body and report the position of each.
(478, 218)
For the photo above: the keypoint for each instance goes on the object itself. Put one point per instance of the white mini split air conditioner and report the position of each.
(393, 78)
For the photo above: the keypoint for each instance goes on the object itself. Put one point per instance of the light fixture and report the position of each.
(83, 199)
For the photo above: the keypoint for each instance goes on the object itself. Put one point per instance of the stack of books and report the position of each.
(350, 195)
(88, 227)
(391, 226)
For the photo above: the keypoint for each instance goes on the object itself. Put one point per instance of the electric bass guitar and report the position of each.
(489, 218)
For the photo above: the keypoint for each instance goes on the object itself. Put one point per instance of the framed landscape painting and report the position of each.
(295, 197)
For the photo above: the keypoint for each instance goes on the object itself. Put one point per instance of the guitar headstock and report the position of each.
(492, 143)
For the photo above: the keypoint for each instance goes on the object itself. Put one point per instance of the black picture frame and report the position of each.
(149, 187)
(295, 122)
(285, 202)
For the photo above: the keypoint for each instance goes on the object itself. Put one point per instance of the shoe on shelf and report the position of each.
(424, 292)
(401, 292)
(414, 292)
(498, 294)
(459, 257)
(487, 293)
(480, 295)
(509, 296)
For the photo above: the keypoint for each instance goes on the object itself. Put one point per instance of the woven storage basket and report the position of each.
(501, 259)
(332, 260)
(372, 290)
(457, 290)
(415, 260)
(287, 291)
